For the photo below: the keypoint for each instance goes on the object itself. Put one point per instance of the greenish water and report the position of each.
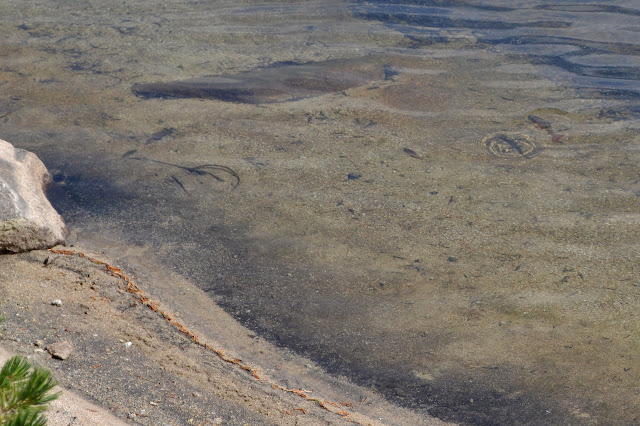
(456, 227)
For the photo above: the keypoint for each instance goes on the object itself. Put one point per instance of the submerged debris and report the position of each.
(157, 136)
(546, 126)
(510, 145)
(201, 170)
(412, 153)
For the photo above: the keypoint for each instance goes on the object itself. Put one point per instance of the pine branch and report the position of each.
(24, 395)
(15, 369)
(23, 417)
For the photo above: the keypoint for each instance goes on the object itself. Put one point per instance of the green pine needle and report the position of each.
(24, 394)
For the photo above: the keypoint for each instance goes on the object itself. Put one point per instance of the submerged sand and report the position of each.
(377, 230)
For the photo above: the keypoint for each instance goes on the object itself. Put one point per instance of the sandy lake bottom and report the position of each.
(395, 232)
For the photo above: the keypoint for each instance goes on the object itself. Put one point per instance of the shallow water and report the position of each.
(459, 231)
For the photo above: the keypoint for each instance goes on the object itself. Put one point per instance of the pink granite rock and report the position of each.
(60, 350)
(27, 219)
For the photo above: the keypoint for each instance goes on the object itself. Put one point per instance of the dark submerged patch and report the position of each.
(279, 83)
(157, 136)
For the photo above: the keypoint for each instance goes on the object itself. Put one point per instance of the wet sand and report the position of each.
(134, 364)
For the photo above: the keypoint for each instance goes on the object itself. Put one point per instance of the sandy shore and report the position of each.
(71, 408)
(134, 362)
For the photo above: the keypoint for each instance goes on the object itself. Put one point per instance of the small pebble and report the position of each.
(60, 350)
(127, 344)
(57, 302)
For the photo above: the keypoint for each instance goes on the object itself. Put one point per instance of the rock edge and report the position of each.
(27, 219)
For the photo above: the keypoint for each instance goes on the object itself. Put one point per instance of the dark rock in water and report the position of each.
(27, 219)
(278, 83)
(157, 136)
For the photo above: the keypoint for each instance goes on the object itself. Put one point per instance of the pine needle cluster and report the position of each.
(24, 393)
